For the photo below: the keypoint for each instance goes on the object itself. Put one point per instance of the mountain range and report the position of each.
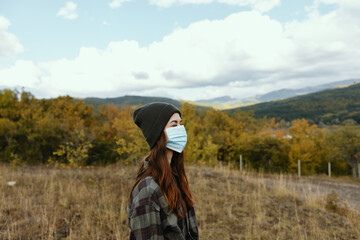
(229, 102)
(330, 103)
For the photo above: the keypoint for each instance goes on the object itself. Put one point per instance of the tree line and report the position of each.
(62, 131)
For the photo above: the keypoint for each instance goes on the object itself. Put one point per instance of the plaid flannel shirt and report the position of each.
(150, 217)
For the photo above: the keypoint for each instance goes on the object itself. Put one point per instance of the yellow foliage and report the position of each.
(73, 154)
(130, 144)
(304, 146)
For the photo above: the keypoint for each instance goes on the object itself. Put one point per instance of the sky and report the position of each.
(182, 49)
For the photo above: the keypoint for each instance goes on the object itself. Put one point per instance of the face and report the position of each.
(174, 121)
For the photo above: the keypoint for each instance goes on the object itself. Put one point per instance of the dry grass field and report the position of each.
(90, 204)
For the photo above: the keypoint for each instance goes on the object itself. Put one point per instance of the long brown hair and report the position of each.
(159, 168)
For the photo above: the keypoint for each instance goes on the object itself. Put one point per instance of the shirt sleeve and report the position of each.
(145, 223)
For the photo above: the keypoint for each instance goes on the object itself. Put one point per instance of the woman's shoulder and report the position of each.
(147, 191)
(147, 186)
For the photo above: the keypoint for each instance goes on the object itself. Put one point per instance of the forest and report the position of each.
(67, 132)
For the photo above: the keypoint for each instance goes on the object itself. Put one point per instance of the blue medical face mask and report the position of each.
(177, 138)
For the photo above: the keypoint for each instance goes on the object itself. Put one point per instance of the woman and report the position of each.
(161, 204)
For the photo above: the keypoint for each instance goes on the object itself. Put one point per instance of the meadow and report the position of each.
(90, 203)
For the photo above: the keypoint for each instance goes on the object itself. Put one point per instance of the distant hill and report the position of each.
(327, 106)
(229, 102)
(287, 93)
(218, 100)
(128, 100)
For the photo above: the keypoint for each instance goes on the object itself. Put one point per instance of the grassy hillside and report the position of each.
(128, 100)
(328, 106)
(90, 204)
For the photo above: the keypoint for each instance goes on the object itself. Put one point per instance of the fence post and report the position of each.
(299, 168)
(329, 167)
(240, 163)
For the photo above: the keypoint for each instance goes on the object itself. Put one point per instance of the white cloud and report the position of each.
(9, 44)
(164, 3)
(117, 3)
(328, 44)
(20, 71)
(343, 3)
(69, 11)
(259, 5)
(245, 54)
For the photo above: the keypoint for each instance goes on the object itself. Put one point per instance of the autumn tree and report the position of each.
(103, 150)
(73, 123)
(303, 146)
(346, 143)
(130, 142)
(200, 147)
(266, 148)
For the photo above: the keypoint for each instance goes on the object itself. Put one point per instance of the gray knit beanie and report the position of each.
(152, 119)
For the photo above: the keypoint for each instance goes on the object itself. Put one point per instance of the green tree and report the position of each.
(73, 154)
(346, 143)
